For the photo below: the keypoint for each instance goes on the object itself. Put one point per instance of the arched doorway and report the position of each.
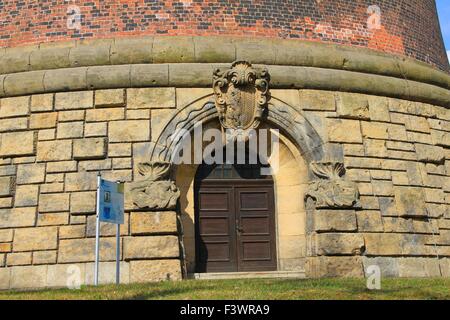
(234, 219)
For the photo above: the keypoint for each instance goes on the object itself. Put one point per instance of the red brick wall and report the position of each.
(408, 27)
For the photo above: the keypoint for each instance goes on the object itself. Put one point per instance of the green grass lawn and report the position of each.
(252, 289)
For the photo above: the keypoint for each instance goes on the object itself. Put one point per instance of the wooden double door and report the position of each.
(235, 226)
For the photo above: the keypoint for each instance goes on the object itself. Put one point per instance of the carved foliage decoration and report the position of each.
(155, 191)
(241, 95)
(332, 190)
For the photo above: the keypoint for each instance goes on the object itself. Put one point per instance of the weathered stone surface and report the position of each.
(54, 202)
(105, 114)
(41, 102)
(70, 130)
(410, 202)
(388, 266)
(18, 259)
(62, 166)
(74, 100)
(98, 129)
(53, 219)
(353, 106)
(6, 235)
(6, 186)
(72, 232)
(82, 202)
(374, 130)
(5, 277)
(28, 239)
(418, 267)
(119, 150)
(44, 257)
(57, 150)
(28, 277)
(12, 107)
(106, 229)
(89, 148)
(46, 134)
(375, 148)
(10, 147)
(82, 250)
(5, 247)
(6, 202)
(346, 267)
(31, 173)
(151, 247)
(155, 270)
(73, 115)
(347, 131)
(151, 98)
(108, 273)
(335, 220)
(430, 154)
(379, 109)
(44, 120)
(389, 244)
(26, 196)
(94, 165)
(62, 275)
(129, 131)
(109, 98)
(142, 223)
(369, 221)
(17, 217)
(13, 124)
(339, 244)
(317, 100)
(81, 181)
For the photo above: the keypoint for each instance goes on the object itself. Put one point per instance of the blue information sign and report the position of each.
(111, 204)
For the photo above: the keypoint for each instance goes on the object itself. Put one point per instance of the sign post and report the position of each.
(110, 209)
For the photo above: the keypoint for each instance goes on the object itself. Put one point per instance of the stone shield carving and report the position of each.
(331, 190)
(155, 191)
(241, 95)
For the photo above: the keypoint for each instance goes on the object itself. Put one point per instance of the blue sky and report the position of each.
(444, 17)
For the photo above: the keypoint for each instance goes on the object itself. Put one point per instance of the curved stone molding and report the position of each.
(332, 191)
(182, 49)
(155, 190)
(281, 115)
(199, 75)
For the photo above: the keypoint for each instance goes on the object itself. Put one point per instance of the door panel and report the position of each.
(235, 226)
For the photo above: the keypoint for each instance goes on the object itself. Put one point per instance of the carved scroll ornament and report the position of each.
(155, 191)
(332, 191)
(241, 95)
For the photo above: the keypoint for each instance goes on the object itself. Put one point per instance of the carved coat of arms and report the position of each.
(241, 95)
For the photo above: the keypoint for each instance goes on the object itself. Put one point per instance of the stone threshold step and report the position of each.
(249, 275)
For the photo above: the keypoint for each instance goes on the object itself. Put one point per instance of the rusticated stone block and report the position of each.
(369, 221)
(430, 154)
(42, 102)
(44, 257)
(340, 244)
(74, 100)
(70, 130)
(6, 186)
(10, 147)
(388, 266)
(153, 222)
(28, 277)
(57, 150)
(348, 131)
(31, 173)
(109, 98)
(379, 109)
(108, 273)
(98, 129)
(418, 268)
(105, 114)
(410, 202)
(5, 247)
(83, 250)
(131, 50)
(18, 259)
(29, 239)
(353, 106)
(44, 120)
(374, 130)
(346, 267)
(17, 217)
(53, 219)
(16, 106)
(129, 131)
(26, 196)
(154, 270)
(151, 247)
(5, 278)
(82, 202)
(72, 232)
(317, 100)
(62, 166)
(54, 202)
(106, 229)
(6, 235)
(6, 202)
(151, 98)
(385, 244)
(335, 220)
(58, 275)
(81, 181)
(89, 148)
(13, 124)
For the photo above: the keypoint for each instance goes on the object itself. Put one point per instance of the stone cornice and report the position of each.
(200, 75)
(182, 49)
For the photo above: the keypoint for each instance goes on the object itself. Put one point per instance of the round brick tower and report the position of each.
(359, 92)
